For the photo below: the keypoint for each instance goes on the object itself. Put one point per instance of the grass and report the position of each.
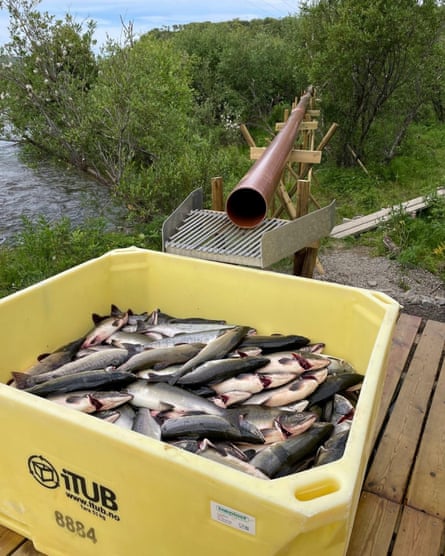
(43, 249)
(418, 241)
(418, 170)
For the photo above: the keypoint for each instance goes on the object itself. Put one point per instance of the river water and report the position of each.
(48, 191)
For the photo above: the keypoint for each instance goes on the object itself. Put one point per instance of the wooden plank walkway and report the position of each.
(13, 544)
(368, 222)
(402, 505)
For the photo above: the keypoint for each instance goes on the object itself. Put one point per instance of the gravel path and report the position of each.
(418, 291)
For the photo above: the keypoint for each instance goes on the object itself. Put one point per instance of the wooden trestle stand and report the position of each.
(293, 194)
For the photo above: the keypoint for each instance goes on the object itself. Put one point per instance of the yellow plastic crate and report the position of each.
(77, 485)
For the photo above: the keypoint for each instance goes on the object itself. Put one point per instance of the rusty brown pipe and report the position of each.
(248, 202)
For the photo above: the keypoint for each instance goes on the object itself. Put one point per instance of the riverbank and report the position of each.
(45, 189)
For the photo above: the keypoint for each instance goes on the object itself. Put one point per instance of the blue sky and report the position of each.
(148, 14)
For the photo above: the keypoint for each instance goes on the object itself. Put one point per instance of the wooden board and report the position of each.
(391, 467)
(403, 339)
(297, 155)
(373, 528)
(305, 125)
(9, 540)
(27, 549)
(401, 508)
(419, 534)
(13, 544)
(370, 221)
(427, 486)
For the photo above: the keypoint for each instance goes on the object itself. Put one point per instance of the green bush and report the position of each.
(420, 240)
(43, 249)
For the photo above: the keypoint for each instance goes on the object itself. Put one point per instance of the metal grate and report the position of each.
(208, 234)
(212, 235)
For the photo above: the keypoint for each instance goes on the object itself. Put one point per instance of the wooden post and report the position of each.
(303, 194)
(217, 194)
(305, 259)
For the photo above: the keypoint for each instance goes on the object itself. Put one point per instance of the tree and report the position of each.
(257, 64)
(47, 70)
(360, 54)
(438, 81)
(141, 108)
(241, 69)
(124, 116)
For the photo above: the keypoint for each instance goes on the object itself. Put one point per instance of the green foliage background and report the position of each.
(157, 117)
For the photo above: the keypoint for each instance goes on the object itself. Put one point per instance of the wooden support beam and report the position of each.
(357, 159)
(305, 125)
(303, 193)
(305, 260)
(247, 136)
(296, 155)
(286, 201)
(293, 189)
(312, 141)
(325, 140)
(327, 136)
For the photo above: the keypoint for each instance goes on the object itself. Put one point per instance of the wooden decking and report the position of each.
(357, 226)
(12, 544)
(402, 506)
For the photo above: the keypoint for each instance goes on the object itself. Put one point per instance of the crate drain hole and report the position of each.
(316, 490)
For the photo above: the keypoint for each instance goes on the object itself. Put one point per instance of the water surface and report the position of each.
(46, 190)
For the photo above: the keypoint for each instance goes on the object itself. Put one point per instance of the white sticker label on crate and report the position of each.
(233, 518)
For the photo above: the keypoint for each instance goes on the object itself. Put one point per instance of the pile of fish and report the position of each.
(266, 405)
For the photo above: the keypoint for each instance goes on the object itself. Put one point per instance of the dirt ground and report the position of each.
(419, 292)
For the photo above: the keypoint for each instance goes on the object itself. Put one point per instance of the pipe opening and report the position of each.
(246, 207)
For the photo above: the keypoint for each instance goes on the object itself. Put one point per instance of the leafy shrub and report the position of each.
(421, 240)
(43, 249)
